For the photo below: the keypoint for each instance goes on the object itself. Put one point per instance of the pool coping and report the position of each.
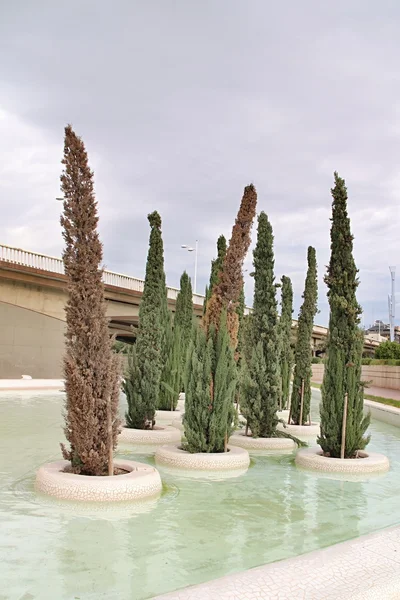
(18, 385)
(380, 412)
(364, 567)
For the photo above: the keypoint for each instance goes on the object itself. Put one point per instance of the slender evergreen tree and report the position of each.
(171, 375)
(211, 372)
(142, 382)
(260, 389)
(184, 319)
(303, 369)
(260, 404)
(226, 293)
(91, 369)
(165, 317)
(343, 367)
(210, 390)
(285, 327)
(216, 268)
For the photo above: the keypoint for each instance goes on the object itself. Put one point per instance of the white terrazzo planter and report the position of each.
(175, 457)
(303, 432)
(272, 444)
(141, 481)
(370, 463)
(283, 414)
(166, 417)
(158, 436)
(177, 423)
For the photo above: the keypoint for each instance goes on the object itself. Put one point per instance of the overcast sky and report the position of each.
(181, 103)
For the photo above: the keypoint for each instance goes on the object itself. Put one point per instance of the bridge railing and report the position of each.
(53, 264)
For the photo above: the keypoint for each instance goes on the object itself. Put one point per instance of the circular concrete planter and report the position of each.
(312, 459)
(283, 414)
(158, 436)
(142, 481)
(174, 456)
(301, 431)
(272, 444)
(177, 423)
(165, 417)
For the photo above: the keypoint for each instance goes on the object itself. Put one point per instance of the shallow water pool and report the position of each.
(196, 531)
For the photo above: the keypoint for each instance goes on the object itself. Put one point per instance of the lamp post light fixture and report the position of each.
(195, 249)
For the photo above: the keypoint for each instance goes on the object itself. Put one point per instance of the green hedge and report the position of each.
(381, 361)
(388, 350)
(316, 360)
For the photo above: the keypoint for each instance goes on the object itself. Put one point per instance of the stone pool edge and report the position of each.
(37, 385)
(380, 412)
(369, 567)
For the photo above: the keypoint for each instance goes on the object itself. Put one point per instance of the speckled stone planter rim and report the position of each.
(312, 430)
(177, 423)
(277, 444)
(168, 415)
(142, 481)
(167, 435)
(312, 459)
(174, 456)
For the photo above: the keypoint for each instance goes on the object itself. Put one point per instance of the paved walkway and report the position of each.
(383, 392)
(361, 569)
(378, 391)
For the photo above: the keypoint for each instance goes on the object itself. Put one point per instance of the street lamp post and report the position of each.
(195, 249)
(392, 302)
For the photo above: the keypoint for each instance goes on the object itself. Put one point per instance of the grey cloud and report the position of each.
(181, 104)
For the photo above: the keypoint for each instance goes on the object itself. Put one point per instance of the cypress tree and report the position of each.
(211, 373)
(142, 382)
(260, 389)
(285, 327)
(260, 399)
(171, 375)
(303, 368)
(226, 293)
(210, 390)
(343, 367)
(91, 369)
(184, 318)
(216, 268)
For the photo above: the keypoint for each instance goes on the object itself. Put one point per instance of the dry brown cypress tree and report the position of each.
(91, 369)
(226, 294)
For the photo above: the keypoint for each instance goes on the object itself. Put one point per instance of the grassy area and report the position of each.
(387, 401)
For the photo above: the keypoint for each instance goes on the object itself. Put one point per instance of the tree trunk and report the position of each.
(301, 402)
(343, 446)
(110, 440)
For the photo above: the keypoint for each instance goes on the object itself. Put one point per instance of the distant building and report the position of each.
(380, 331)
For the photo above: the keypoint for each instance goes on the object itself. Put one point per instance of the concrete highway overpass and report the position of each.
(33, 294)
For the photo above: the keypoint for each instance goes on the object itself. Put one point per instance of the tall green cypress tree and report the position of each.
(259, 398)
(184, 319)
(285, 327)
(343, 367)
(303, 368)
(216, 268)
(260, 389)
(210, 390)
(142, 382)
(171, 375)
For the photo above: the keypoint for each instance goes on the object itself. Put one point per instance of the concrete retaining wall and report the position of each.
(382, 376)
(30, 343)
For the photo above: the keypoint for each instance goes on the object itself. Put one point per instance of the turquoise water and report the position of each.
(196, 531)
